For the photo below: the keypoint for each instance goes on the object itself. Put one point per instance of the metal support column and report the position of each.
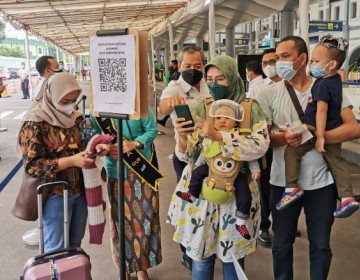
(28, 63)
(230, 41)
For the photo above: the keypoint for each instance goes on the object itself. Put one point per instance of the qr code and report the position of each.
(113, 74)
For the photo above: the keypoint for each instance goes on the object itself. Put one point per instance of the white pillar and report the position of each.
(272, 28)
(73, 63)
(152, 58)
(287, 24)
(28, 63)
(304, 20)
(47, 48)
(199, 41)
(57, 54)
(65, 64)
(346, 35)
(171, 40)
(211, 29)
(157, 55)
(167, 58)
(180, 45)
(230, 41)
(219, 45)
(249, 31)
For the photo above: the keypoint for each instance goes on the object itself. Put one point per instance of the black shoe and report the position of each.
(298, 233)
(24, 98)
(264, 238)
(187, 262)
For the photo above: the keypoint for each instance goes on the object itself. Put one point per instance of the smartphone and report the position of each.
(183, 111)
(93, 156)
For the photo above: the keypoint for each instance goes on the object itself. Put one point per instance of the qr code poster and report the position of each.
(112, 64)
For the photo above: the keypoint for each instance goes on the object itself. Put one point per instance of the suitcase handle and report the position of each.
(40, 189)
(47, 185)
(52, 254)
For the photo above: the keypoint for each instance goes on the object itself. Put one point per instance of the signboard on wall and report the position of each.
(239, 42)
(318, 25)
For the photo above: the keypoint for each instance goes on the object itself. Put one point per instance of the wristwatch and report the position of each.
(138, 145)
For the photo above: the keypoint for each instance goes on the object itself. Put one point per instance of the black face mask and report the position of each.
(192, 76)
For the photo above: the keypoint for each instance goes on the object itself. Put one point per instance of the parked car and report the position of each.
(13, 73)
(34, 72)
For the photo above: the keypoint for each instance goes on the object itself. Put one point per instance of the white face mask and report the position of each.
(270, 71)
(66, 109)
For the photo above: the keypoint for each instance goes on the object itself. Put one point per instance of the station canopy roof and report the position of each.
(68, 23)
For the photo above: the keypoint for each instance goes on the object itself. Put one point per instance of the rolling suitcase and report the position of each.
(62, 264)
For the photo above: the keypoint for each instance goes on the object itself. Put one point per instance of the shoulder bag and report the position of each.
(25, 207)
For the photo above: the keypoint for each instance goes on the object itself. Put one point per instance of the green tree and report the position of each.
(4, 51)
(2, 31)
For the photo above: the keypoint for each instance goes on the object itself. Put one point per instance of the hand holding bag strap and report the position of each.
(295, 101)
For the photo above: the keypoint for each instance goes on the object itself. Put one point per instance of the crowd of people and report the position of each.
(234, 160)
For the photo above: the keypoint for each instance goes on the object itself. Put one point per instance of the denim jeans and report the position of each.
(204, 269)
(265, 192)
(54, 221)
(25, 88)
(319, 206)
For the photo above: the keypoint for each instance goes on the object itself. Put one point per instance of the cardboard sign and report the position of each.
(119, 70)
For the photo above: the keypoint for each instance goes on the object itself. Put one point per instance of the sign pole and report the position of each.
(120, 196)
(120, 169)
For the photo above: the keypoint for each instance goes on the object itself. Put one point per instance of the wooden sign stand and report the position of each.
(141, 45)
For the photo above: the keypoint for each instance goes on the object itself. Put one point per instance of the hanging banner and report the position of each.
(113, 77)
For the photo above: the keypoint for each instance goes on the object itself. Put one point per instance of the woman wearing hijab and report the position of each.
(204, 228)
(50, 143)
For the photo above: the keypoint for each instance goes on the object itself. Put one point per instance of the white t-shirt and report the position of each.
(255, 87)
(24, 74)
(38, 87)
(192, 96)
(275, 100)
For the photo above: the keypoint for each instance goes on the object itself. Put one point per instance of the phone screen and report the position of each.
(183, 111)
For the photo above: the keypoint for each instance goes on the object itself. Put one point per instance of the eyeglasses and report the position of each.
(330, 41)
(271, 62)
(217, 79)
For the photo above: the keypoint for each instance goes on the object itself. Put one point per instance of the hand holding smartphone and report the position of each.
(183, 111)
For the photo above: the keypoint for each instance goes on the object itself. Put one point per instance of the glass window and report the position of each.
(353, 9)
(321, 15)
(337, 13)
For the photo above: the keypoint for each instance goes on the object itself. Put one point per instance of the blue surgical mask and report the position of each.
(285, 69)
(318, 71)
